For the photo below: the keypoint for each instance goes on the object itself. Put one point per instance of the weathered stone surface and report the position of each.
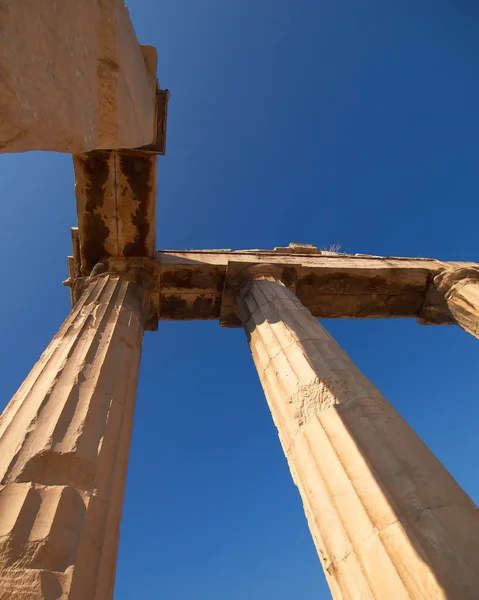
(194, 284)
(295, 248)
(64, 442)
(387, 519)
(115, 194)
(74, 78)
(460, 288)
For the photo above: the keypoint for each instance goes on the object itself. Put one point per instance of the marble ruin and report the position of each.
(387, 519)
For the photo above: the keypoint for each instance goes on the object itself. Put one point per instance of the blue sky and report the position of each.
(313, 121)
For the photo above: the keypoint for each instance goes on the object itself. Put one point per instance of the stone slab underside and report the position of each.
(192, 284)
(73, 77)
(115, 194)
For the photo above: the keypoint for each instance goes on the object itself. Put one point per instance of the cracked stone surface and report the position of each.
(64, 442)
(387, 519)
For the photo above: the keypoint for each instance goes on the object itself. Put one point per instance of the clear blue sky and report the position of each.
(318, 121)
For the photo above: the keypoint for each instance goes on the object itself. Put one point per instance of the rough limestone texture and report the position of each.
(332, 286)
(73, 77)
(387, 519)
(461, 292)
(64, 442)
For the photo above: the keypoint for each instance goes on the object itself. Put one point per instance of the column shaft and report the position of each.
(387, 519)
(64, 441)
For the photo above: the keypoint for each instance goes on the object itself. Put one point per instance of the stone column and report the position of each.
(387, 519)
(460, 289)
(64, 442)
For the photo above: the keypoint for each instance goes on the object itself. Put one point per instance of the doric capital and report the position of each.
(240, 277)
(450, 279)
(141, 271)
(259, 272)
(449, 289)
(137, 273)
(242, 285)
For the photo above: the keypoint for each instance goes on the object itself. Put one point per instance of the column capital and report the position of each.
(459, 292)
(443, 287)
(258, 272)
(141, 271)
(450, 279)
(136, 273)
(240, 276)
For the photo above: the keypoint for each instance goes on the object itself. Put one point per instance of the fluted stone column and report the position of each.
(387, 519)
(460, 288)
(64, 442)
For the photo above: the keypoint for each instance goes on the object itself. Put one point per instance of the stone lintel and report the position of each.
(86, 83)
(116, 205)
(196, 285)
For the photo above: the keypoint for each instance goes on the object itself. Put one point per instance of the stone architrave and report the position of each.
(387, 519)
(73, 77)
(460, 288)
(64, 442)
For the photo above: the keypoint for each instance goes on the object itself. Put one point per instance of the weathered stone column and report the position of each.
(64, 442)
(460, 288)
(387, 519)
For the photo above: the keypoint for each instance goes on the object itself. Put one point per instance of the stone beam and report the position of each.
(194, 285)
(74, 78)
(330, 285)
(116, 205)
